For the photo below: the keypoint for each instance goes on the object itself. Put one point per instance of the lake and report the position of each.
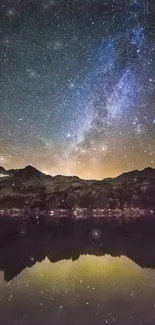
(62, 280)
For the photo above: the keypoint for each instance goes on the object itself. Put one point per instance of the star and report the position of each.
(75, 88)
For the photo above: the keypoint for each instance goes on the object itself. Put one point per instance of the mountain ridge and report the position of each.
(29, 186)
(29, 169)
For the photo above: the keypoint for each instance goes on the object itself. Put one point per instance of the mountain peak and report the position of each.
(2, 169)
(149, 169)
(31, 168)
(28, 172)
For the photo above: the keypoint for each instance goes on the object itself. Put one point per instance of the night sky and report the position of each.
(77, 86)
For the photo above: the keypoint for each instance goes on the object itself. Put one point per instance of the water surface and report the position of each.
(90, 290)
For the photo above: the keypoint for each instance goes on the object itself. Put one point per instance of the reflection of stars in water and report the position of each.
(96, 233)
(91, 286)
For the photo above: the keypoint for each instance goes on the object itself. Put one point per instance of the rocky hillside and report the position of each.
(30, 187)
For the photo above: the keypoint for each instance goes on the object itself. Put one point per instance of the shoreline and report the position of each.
(21, 227)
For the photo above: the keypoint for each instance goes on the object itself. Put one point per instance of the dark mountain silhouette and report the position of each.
(3, 171)
(20, 253)
(30, 171)
(27, 173)
(146, 173)
(131, 189)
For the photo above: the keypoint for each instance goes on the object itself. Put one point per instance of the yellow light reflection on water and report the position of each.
(107, 271)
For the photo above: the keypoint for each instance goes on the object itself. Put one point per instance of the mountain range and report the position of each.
(30, 187)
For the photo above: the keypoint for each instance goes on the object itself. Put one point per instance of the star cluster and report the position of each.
(77, 86)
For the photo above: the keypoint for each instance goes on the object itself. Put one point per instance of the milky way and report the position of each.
(77, 86)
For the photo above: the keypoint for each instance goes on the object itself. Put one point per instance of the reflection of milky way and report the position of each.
(91, 290)
(77, 85)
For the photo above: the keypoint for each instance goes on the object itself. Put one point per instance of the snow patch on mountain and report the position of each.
(4, 175)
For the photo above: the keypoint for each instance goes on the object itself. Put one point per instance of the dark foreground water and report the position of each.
(87, 280)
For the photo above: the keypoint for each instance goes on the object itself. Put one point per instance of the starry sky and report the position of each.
(77, 86)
